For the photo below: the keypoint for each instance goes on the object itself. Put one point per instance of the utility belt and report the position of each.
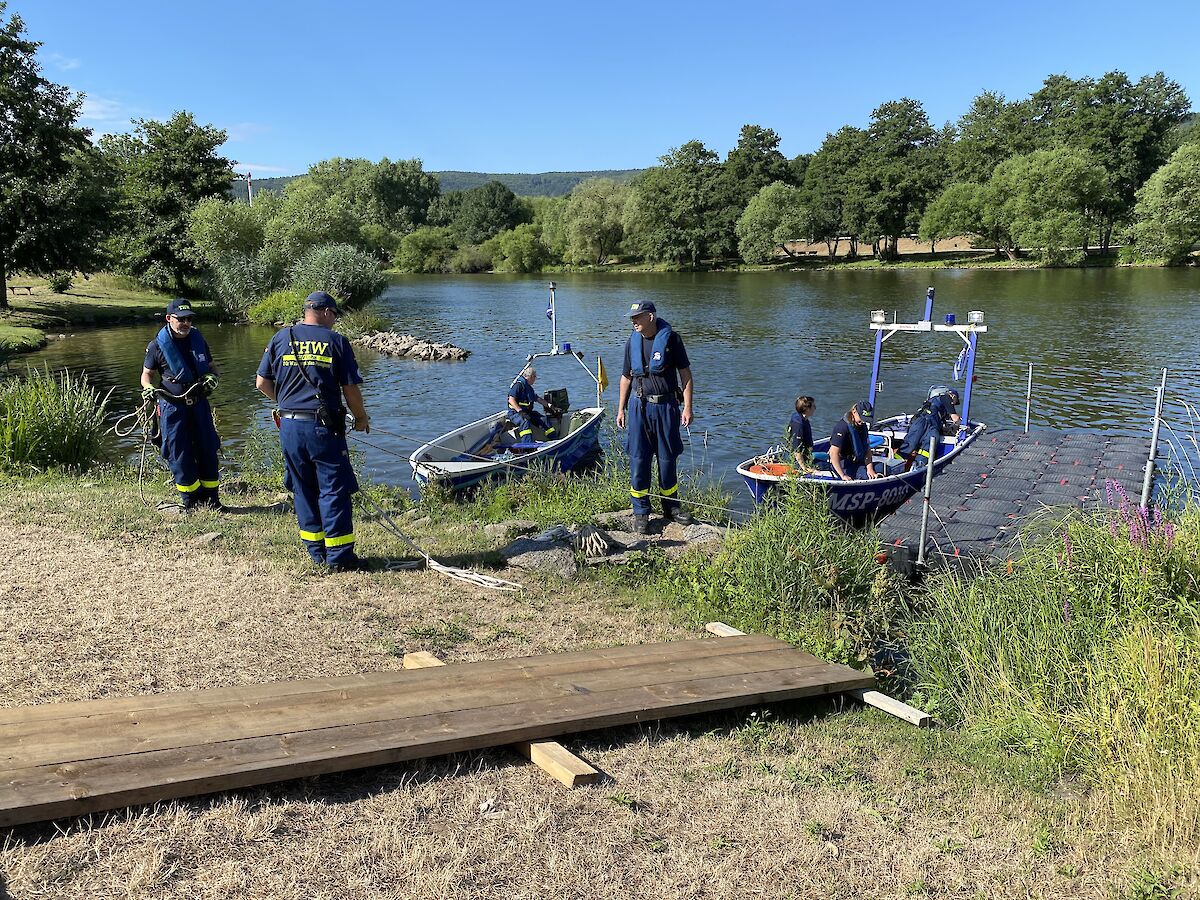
(335, 422)
(675, 396)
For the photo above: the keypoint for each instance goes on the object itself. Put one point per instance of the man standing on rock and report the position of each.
(655, 379)
(306, 370)
(180, 358)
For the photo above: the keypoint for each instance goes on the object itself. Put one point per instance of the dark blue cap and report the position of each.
(180, 307)
(636, 309)
(321, 300)
(864, 409)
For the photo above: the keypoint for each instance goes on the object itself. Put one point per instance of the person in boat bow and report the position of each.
(934, 417)
(655, 379)
(850, 444)
(179, 357)
(799, 432)
(521, 397)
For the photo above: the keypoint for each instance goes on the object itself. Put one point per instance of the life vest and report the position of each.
(658, 351)
(182, 371)
(520, 391)
(860, 440)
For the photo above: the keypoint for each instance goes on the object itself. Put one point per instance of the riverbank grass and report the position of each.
(102, 299)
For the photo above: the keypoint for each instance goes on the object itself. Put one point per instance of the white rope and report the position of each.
(476, 578)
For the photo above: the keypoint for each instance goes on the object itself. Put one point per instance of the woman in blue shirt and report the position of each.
(799, 432)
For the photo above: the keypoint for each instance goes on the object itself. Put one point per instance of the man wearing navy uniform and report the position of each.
(521, 397)
(179, 357)
(655, 380)
(307, 369)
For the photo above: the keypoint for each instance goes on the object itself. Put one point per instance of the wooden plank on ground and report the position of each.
(348, 686)
(878, 699)
(550, 756)
(547, 701)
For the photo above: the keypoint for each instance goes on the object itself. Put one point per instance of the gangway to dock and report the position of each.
(69, 759)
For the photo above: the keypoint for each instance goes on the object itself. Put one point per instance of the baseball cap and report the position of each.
(636, 309)
(321, 300)
(180, 308)
(864, 409)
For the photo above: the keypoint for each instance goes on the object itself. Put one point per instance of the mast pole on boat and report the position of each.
(928, 306)
(553, 319)
(875, 366)
(972, 340)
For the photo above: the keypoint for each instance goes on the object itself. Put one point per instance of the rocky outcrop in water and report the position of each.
(389, 343)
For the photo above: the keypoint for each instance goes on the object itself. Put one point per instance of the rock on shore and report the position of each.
(389, 343)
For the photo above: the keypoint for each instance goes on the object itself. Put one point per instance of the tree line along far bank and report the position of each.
(1080, 163)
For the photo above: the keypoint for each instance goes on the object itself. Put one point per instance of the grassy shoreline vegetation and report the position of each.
(1065, 762)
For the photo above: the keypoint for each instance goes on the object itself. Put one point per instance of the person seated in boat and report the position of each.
(850, 444)
(799, 432)
(521, 397)
(936, 416)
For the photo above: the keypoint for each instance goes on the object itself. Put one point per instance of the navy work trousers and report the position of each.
(653, 430)
(525, 420)
(190, 445)
(317, 471)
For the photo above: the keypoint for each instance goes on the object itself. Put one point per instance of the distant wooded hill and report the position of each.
(541, 184)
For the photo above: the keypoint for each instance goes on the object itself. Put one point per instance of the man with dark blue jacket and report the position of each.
(307, 369)
(179, 357)
(655, 379)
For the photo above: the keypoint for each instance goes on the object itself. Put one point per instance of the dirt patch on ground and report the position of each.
(798, 801)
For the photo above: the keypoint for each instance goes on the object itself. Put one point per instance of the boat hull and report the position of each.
(458, 474)
(863, 501)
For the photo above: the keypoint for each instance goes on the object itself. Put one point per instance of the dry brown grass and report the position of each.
(803, 802)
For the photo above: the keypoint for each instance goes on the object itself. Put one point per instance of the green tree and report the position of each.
(391, 195)
(51, 211)
(1045, 200)
(956, 211)
(774, 216)
(485, 211)
(305, 217)
(426, 250)
(592, 220)
(1168, 208)
(165, 169)
(219, 227)
(989, 132)
(902, 171)
(674, 212)
(828, 181)
(518, 250)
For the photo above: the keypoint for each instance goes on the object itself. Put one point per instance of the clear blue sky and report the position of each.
(532, 87)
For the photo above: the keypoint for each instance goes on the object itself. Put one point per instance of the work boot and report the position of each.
(210, 498)
(678, 516)
(641, 524)
(350, 564)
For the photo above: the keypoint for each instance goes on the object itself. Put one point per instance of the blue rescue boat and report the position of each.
(868, 500)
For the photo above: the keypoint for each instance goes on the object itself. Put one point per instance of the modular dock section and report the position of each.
(1008, 477)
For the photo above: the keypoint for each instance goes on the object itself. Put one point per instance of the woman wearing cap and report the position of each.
(850, 444)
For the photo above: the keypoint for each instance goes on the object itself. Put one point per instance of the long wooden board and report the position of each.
(75, 758)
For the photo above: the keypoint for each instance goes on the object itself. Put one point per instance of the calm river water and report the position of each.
(1097, 338)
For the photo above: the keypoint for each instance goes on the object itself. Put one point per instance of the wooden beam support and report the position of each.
(550, 756)
(871, 698)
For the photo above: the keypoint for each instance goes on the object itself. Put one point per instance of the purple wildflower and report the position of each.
(1066, 610)
(1068, 551)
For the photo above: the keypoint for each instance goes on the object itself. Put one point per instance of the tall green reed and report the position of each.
(50, 421)
(1083, 654)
